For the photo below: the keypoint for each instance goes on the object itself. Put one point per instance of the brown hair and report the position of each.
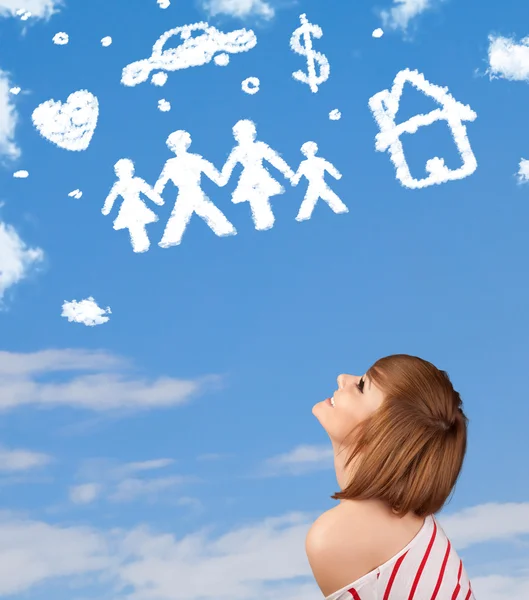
(410, 451)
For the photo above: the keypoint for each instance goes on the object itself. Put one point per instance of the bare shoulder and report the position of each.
(339, 547)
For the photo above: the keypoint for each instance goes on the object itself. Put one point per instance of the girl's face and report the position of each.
(355, 399)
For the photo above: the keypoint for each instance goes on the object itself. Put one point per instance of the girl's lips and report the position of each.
(328, 401)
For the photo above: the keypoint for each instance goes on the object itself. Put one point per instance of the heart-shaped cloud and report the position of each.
(71, 124)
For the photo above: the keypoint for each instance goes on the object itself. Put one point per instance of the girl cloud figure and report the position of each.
(314, 168)
(255, 185)
(133, 213)
(185, 171)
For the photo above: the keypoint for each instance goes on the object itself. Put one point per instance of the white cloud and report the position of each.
(86, 312)
(133, 488)
(84, 493)
(302, 459)
(403, 11)
(105, 390)
(487, 522)
(33, 552)
(16, 259)
(45, 361)
(523, 172)
(21, 460)
(42, 9)
(265, 559)
(148, 465)
(8, 119)
(254, 561)
(103, 474)
(508, 59)
(499, 587)
(193, 503)
(109, 471)
(239, 8)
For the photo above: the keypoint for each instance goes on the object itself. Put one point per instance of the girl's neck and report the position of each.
(341, 453)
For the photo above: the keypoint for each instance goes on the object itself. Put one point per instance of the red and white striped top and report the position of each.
(428, 568)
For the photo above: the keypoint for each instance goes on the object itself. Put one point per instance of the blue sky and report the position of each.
(173, 448)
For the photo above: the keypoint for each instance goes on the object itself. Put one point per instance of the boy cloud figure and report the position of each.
(255, 185)
(185, 171)
(314, 169)
(133, 214)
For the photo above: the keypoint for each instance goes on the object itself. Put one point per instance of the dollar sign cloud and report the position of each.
(307, 31)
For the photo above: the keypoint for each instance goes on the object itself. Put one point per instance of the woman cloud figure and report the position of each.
(255, 185)
(133, 214)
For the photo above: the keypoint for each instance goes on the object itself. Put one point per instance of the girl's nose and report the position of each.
(345, 379)
(342, 380)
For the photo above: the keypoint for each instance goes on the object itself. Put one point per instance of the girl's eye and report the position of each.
(360, 385)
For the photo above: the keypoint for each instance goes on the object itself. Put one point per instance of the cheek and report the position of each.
(348, 417)
(337, 422)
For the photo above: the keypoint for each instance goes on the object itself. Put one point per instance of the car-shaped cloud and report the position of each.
(194, 51)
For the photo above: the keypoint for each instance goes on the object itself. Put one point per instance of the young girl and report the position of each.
(406, 433)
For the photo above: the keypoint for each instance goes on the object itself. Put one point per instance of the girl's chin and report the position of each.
(321, 412)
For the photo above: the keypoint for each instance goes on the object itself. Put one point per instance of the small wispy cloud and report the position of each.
(193, 503)
(404, 11)
(41, 9)
(499, 587)
(132, 489)
(108, 385)
(147, 465)
(109, 471)
(84, 493)
(15, 364)
(8, 119)
(508, 59)
(16, 460)
(17, 260)
(523, 171)
(115, 483)
(487, 522)
(299, 461)
(239, 8)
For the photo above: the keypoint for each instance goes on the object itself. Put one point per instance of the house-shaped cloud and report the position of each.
(385, 106)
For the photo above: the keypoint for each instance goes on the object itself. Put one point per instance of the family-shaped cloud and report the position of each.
(255, 186)
(71, 125)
